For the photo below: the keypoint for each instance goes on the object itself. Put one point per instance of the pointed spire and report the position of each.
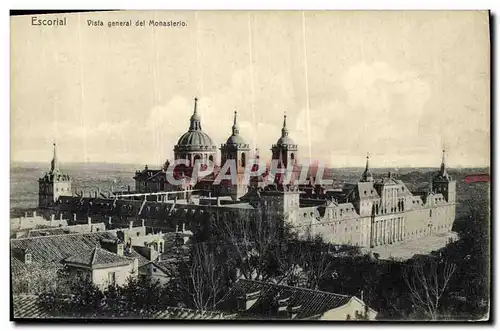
(195, 118)
(54, 165)
(236, 130)
(367, 174)
(443, 160)
(195, 106)
(442, 171)
(284, 131)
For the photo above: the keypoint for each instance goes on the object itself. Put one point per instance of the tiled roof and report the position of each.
(77, 228)
(52, 250)
(141, 260)
(183, 313)
(312, 303)
(98, 257)
(26, 306)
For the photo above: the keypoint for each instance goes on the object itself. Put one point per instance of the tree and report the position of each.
(205, 277)
(257, 243)
(427, 283)
(315, 261)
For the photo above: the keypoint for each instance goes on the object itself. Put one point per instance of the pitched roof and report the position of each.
(98, 257)
(26, 306)
(141, 260)
(50, 251)
(312, 303)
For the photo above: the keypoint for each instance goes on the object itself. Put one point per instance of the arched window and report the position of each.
(292, 157)
(211, 158)
(243, 159)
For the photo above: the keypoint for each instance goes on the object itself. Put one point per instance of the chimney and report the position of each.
(27, 257)
(119, 248)
(176, 228)
(34, 213)
(143, 223)
(52, 217)
(109, 220)
(60, 216)
(74, 217)
(130, 225)
(246, 301)
(89, 221)
(183, 227)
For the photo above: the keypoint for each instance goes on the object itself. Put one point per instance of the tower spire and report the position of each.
(195, 118)
(236, 130)
(442, 171)
(54, 165)
(284, 130)
(367, 174)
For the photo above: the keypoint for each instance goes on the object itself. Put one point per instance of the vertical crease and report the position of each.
(156, 93)
(252, 88)
(306, 81)
(82, 91)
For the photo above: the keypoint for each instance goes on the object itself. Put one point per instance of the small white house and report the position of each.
(103, 267)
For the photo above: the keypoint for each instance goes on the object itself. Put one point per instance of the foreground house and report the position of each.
(249, 299)
(36, 261)
(102, 267)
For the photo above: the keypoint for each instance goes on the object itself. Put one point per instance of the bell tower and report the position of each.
(53, 184)
(285, 152)
(235, 150)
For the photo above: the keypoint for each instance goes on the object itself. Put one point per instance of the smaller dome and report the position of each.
(235, 140)
(285, 141)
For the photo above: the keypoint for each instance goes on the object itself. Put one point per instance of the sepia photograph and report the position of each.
(277, 165)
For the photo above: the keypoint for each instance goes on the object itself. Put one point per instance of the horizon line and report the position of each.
(310, 164)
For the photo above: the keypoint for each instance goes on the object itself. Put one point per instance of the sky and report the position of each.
(398, 85)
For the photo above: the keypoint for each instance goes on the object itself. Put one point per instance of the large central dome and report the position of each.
(195, 139)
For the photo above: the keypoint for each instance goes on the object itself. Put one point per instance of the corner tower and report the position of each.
(443, 183)
(53, 184)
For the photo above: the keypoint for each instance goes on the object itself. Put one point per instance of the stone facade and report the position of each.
(365, 213)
